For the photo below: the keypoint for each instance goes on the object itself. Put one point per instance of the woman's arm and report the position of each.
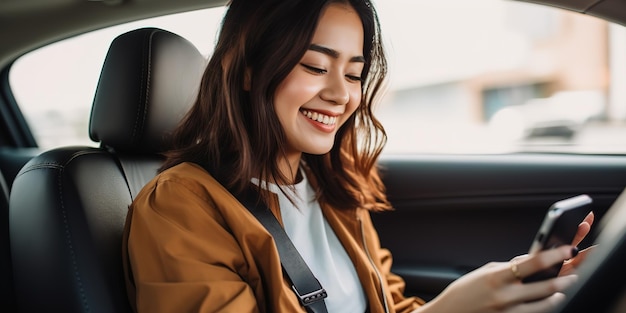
(182, 256)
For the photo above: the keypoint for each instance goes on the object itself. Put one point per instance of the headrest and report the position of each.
(148, 82)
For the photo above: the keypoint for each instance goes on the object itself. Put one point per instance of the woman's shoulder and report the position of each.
(185, 171)
(187, 192)
(182, 181)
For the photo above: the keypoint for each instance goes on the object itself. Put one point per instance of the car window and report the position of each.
(495, 76)
(55, 85)
(480, 76)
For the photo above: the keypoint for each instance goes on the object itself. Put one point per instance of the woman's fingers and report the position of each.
(569, 266)
(526, 266)
(545, 305)
(497, 286)
(520, 257)
(542, 289)
(582, 255)
(583, 229)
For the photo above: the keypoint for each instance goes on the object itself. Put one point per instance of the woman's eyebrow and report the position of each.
(334, 53)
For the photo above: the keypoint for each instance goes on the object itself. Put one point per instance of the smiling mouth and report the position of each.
(319, 117)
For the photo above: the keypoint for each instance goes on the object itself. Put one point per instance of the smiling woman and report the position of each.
(333, 73)
(284, 113)
(248, 124)
(289, 111)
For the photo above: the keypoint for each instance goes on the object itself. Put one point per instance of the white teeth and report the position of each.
(319, 117)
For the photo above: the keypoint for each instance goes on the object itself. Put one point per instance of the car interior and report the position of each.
(63, 210)
(142, 95)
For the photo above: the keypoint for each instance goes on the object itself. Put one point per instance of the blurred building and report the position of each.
(451, 77)
(518, 52)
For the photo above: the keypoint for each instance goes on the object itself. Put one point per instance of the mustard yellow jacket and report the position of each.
(190, 246)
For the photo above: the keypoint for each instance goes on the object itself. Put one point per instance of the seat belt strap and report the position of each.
(137, 172)
(304, 284)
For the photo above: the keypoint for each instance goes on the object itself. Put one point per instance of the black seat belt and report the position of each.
(304, 284)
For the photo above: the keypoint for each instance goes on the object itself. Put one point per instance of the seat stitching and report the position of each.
(68, 238)
(54, 165)
(145, 79)
(39, 166)
(132, 137)
(66, 225)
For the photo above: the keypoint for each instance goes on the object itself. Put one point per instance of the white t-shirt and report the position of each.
(320, 248)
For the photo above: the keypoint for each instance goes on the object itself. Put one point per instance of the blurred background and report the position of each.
(502, 76)
(479, 76)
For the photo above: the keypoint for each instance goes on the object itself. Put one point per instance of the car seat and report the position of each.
(7, 298)
(68, 205)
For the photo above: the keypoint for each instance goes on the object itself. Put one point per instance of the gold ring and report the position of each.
(515, 270)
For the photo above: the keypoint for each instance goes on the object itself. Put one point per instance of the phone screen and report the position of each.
(559, 228)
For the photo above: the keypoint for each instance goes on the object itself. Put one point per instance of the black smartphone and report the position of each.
(559, 228)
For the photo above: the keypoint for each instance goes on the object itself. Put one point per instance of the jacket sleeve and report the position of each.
(395, 284)
(182, 256)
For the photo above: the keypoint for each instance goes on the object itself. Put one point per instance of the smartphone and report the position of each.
(559, 228)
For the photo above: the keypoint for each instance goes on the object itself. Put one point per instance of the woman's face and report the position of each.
(324, 89)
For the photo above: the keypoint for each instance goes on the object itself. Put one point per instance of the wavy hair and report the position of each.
(232, 129)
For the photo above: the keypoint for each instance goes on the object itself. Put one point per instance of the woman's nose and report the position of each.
(336, 90)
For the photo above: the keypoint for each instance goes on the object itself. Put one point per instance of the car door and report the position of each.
(455, 213)
(495, 110)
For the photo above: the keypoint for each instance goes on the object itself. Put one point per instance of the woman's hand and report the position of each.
(569, 266)
(497, 287)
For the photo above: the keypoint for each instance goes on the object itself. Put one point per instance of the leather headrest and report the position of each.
(148, 82)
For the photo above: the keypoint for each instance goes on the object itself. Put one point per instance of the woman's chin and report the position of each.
(319, 150)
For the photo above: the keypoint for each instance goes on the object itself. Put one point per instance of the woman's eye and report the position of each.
(354, 78)
(313, 69)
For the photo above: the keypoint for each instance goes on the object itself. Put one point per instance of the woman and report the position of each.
(285, 107)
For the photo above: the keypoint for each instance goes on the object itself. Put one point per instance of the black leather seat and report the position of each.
(11, 161)
(68, 205)
(7, 296)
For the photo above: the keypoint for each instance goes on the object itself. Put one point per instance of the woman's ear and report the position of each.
(247, 79)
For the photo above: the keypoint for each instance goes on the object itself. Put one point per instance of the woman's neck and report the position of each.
(289, 168)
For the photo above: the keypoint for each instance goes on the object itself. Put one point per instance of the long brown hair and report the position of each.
(233, 130)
